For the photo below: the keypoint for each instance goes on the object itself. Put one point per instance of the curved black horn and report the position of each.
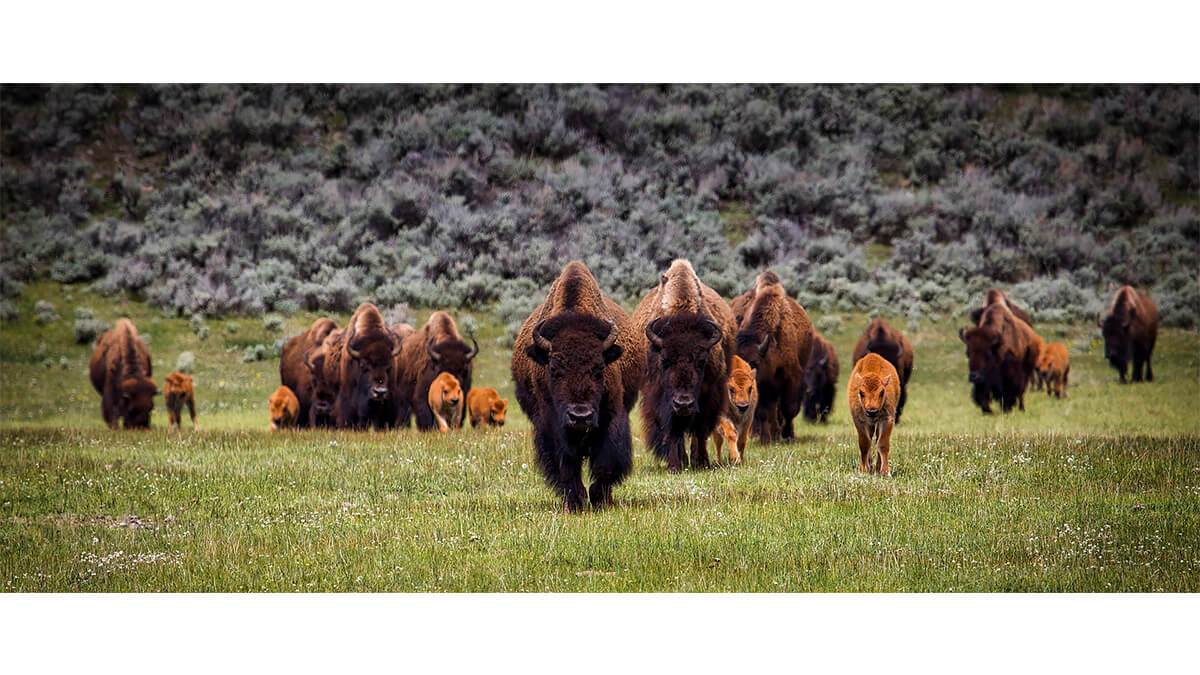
(474, 349)
(716, 333)
(612, 336)
(431, 350)
(652, 336)
(762, 346)
(308, 361)
(538, 339)
(350, 341)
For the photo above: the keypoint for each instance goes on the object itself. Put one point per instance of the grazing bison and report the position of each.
(1054, 365)
(284, 409)
(1001, 356)
(577, 365)
(689, 336)
(433, 349)
(486, 407)
(120, 372)
(366, 353)
(874, 397)
(775, 338)
(739, 413)
(178, 392)
(820, 380)
(1130, 329)
(997, 296)
(446, 401)
(294, 373)
(882, 339)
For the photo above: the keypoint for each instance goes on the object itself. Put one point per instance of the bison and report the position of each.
(446, 401)
(689, 336)
(874, 393)
(1054, 366)
(577, 365)
(324, 383)
(880, 338)
(284, 409)
(735, 423)
(178, 392)
(1001, 356)
(1130, 329)
(431, 350)
(997, 296)
(294, 372)
(486, 407)
(120, 371)
(820, 380)
(366, 353)
(775, 338)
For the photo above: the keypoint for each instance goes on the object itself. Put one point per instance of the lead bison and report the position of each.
(997, 296)
(880, 338)
(820, 380)
(775, 338)
(361, 360)
(689, 336)
(1130, 329)
(294, 373)
(120, 371)
(1001, 357)
(433, 349)
(577, 365)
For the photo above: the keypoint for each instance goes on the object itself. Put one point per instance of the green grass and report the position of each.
(1097, 492)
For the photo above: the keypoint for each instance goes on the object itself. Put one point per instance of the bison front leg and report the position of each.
(611, 461)
(191, 404)
(885, 447)
(699, 452)
(864, 450)
(570, 481)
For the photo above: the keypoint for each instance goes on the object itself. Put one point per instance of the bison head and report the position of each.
(1118, 348)
(753, 347)
(872, 392)
(136, 401)
(373, 354)
(743, 385)
(575, 349)
(681, 343)
(323, 392)
(983, 353)
(499, 409)
(452, 356)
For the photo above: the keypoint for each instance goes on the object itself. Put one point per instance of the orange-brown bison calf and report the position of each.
(874, 391)
(486, 407)
(178, 392)
(734, 425)
(446, 401)
(284, 408)
(1054, 366)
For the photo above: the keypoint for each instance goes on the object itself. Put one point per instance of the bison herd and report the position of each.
(701, 366)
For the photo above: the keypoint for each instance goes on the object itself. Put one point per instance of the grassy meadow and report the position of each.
(1096, 492)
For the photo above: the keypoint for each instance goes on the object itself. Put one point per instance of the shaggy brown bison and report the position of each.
(433, 349)
(1001, 356)
(689, 336)
(882, 339)
(735, 423)
(365, 365)
(178, 392)
(120, 371)
(283, 408)
(486, 407)
(577, 365)
(820, 380)
(1054, 365)
(1130, 329)
(997, 296)
(873, 394)
(775, 338)
(325, 383)
(294, 373)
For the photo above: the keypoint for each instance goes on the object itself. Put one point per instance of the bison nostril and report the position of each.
(743, 407)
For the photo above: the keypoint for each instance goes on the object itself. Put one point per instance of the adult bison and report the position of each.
(1001, 357)
(433, 349)
(880, 338)
(120, 371)
(820, 380)
(364, 364)
(577, 365)
(688, 332)
(775, 338)
(294, 373)
(325, 384)
(1130, 329)
(996, 296)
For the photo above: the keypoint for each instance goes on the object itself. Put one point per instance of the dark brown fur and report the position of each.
(820, 380)
(367, 382)
(775, 338)
(997, 296)
(882, 339)
(1130, 330)
(120, 371)
(293, 373)
(1002, 354)
(419, 367)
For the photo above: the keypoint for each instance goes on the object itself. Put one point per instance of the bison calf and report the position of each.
(486, 407)
(284, 409)
(874, 392)
(882, 339)
(1054, 366)
(446, 401)
(734, 426)
(178, 392)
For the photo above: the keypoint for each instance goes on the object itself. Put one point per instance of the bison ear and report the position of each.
(887, 380)
(613, 353)
(754, 374)
(962, 333)
(764, 345)
(540, 356)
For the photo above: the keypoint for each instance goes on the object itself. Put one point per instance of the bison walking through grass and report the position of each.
(820, 380)
(880, 338)
(873, 395)
(120, 371)
(178, 392)
(1001, 355)
(1130, 329)
(431, 350)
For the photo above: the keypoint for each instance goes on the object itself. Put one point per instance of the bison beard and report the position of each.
(685, 392)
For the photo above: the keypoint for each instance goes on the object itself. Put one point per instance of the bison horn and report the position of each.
(653, 336)
(431, 350)
(762, 346)
(354, 353)
(308, 361)
(612, 336)
(716, 333)
(474, 349)
(539, 339)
